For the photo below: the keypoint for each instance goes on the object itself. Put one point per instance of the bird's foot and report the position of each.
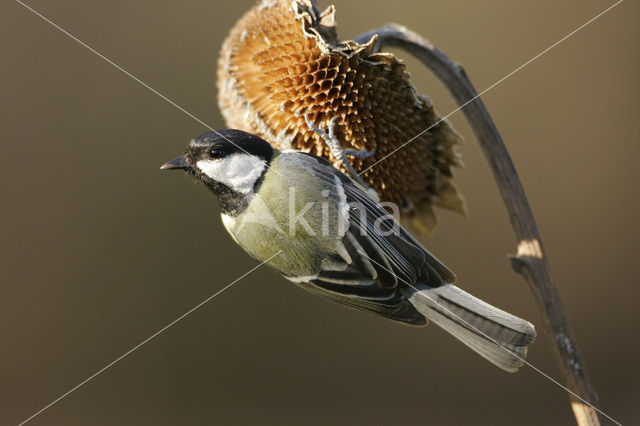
(360, 153)
(340, 153)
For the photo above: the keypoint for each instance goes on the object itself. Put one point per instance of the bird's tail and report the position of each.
(497, 335)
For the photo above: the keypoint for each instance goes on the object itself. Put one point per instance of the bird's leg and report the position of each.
(338, 152)
(332, 141)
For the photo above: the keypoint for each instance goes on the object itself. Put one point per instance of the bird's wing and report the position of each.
(377, 258)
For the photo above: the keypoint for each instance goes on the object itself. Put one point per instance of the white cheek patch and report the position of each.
(237, 171)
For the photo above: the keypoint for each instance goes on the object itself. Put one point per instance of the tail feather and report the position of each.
(496, 335)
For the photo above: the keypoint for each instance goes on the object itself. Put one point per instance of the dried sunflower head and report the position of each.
(283, 60)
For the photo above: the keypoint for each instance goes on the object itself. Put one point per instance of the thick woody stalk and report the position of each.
(530, 260)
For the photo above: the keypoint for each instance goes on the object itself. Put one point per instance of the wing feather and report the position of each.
(377, 258)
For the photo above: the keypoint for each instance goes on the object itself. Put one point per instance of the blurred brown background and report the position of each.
(100, 249)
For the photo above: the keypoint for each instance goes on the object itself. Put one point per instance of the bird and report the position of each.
(283, 62)
(325, 232)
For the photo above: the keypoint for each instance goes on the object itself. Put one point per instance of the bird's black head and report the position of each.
(231, 163)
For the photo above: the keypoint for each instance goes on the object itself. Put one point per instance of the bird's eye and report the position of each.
(216, 153)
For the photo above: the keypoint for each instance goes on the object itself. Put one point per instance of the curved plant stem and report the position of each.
(530, 260)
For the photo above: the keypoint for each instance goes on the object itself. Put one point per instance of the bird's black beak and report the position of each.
(175, 164)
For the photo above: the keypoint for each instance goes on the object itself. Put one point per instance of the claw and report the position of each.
(312, 126)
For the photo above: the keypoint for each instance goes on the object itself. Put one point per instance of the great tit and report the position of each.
(330, 237)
